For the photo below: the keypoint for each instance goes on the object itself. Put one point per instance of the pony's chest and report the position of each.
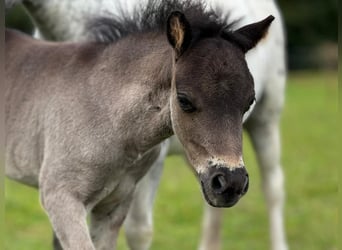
(122, 179)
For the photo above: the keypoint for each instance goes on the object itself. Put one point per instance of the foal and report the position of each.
(83, 119)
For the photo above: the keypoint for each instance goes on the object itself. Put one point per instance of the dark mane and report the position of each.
(153, 16)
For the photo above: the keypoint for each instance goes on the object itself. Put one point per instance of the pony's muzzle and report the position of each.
(223, 186)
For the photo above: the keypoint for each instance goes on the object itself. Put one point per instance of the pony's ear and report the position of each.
(178, 32)
(248, 36)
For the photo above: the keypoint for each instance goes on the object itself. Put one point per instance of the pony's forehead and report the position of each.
(222, 70)
(212, 59)
(214, 50)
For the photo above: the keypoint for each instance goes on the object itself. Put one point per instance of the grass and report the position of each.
(310, 160)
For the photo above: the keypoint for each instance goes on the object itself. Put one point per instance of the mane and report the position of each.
(152, 17)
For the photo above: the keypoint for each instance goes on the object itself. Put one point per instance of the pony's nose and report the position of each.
(223, 186)
(223, 181)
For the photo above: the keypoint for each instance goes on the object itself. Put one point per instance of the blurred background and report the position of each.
(310, 157)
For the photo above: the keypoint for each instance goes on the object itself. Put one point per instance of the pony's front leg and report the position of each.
(105, 222)
(266, 140)
(68, 218)
(211, 228)
(139, 221)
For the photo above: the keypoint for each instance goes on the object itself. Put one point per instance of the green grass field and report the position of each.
(310, 159)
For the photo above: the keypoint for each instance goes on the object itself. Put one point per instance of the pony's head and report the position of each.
(212, 89)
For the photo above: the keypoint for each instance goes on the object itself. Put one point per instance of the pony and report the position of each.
(84, 120)
(66, 20)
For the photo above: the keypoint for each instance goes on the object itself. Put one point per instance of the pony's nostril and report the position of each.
(219, 183)
(245, 185)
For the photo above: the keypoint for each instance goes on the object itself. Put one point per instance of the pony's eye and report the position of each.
(185, 104)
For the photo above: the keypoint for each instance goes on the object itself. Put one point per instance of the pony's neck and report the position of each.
(142, 68)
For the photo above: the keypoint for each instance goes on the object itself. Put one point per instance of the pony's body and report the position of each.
(70, 136)
(84, 120)
(98, 117)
